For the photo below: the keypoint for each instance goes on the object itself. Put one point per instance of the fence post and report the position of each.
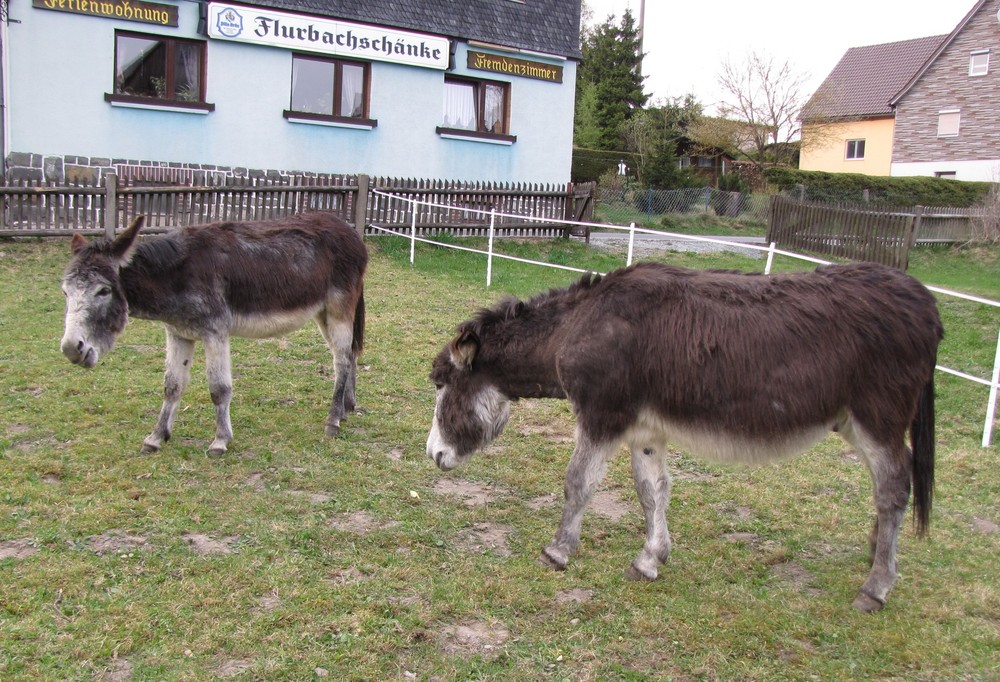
(631, 243)
(770, 258)
(361, 205)
(110, 205)
(991, 405)
(413, 229)
(489, 257)
(649, 203)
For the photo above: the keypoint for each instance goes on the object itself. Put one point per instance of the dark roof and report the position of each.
(910, 82)
(549, 26)
(866, 78)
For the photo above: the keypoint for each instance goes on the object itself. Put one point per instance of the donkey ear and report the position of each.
(464, 349)
(123, 246)
(77, 243)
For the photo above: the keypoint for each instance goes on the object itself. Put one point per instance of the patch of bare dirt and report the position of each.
(360, 523)
(737, 511)
(473, 494)
(51, 479)
(396, 454)
(16, 549)
(255, 481)
(16, 429)
(794, 575)
(269, 602)
(233, 667)
(574, 596)
(742, 538)
(204, 545)
(315, 498)
(543, 501)
(120, 670)
(556, 433)
(609, 504)
(984, 526)
(114, 541)
(483, 538)
(476, 638)
(347, 576)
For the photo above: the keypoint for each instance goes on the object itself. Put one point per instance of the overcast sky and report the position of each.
(687, 41)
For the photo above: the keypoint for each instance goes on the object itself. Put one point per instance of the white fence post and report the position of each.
(489, 257)
(413, 231)
(770, 258)
(631, 243)
(991, 405)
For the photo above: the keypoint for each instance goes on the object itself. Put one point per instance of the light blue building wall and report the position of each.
(59, 66)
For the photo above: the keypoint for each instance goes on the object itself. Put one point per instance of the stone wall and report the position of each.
(47, 169)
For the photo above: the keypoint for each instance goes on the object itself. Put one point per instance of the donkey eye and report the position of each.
(104, 291)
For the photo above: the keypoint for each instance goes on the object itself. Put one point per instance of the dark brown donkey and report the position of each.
(211, 282)
(732, 367)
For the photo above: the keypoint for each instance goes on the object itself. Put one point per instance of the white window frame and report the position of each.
(949, 122)
(979, 63)
(855, 156)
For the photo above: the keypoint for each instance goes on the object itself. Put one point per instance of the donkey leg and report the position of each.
(218, 369)
(586, 469)
(338, 331)
(180, 352)
(652, 484)
(889, 465)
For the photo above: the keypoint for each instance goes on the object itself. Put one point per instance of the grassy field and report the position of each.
(298, 556)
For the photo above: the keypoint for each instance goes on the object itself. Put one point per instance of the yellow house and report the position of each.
(848, 125)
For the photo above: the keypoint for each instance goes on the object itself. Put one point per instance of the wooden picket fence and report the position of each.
(461, 208)
(863, 233)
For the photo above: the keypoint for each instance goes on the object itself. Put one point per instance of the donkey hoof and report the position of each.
(633, 573)
(149, 448)
(332, 429)
(217, 452)
(868, 603)
(554, 559)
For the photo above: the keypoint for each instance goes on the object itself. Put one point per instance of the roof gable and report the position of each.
(548, 26)
(949, 39)
(865, 79)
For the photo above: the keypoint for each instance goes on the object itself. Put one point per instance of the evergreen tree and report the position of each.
(609, 81)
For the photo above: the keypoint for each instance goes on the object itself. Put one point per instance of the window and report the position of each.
(950, 175)
(948, 123)
(855, 150)
(476, 109)
(152, 69)
(979, 63)
(330, 90)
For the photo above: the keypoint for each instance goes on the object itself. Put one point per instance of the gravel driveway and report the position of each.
(646, 244)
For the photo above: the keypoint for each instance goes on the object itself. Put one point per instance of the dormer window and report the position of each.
(979, 63)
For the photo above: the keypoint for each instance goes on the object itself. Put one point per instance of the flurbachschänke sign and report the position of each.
(330, 36)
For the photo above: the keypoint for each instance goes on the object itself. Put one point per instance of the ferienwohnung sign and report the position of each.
(330, 36)
(129, 10)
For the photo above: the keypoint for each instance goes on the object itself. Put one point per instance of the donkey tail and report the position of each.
(922, 441)
(358, 341)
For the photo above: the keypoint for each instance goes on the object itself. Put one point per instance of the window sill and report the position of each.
(132, 102)
(332, 121)
(475, 136)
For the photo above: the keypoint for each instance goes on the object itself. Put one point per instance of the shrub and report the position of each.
(851, 187)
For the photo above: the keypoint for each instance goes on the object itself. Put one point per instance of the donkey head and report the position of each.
(469, 411)
(96, 308)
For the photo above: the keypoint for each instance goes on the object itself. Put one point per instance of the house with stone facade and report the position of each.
(947, 114)
(477, 91)
(924, 107)
(848, 125)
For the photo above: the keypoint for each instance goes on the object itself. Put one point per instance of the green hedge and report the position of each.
(903, 191)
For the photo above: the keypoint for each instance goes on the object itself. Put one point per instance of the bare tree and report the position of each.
(766, 97)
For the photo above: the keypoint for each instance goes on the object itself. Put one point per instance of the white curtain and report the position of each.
(459, 106)
(188, 72)
(351, 89)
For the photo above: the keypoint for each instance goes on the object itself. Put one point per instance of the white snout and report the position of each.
(79, 352)
(443, 454)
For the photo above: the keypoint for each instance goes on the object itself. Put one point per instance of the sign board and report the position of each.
(515, 67)
(127, 10)
(330, 36)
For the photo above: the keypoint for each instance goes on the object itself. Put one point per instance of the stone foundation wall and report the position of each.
(24, 167)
